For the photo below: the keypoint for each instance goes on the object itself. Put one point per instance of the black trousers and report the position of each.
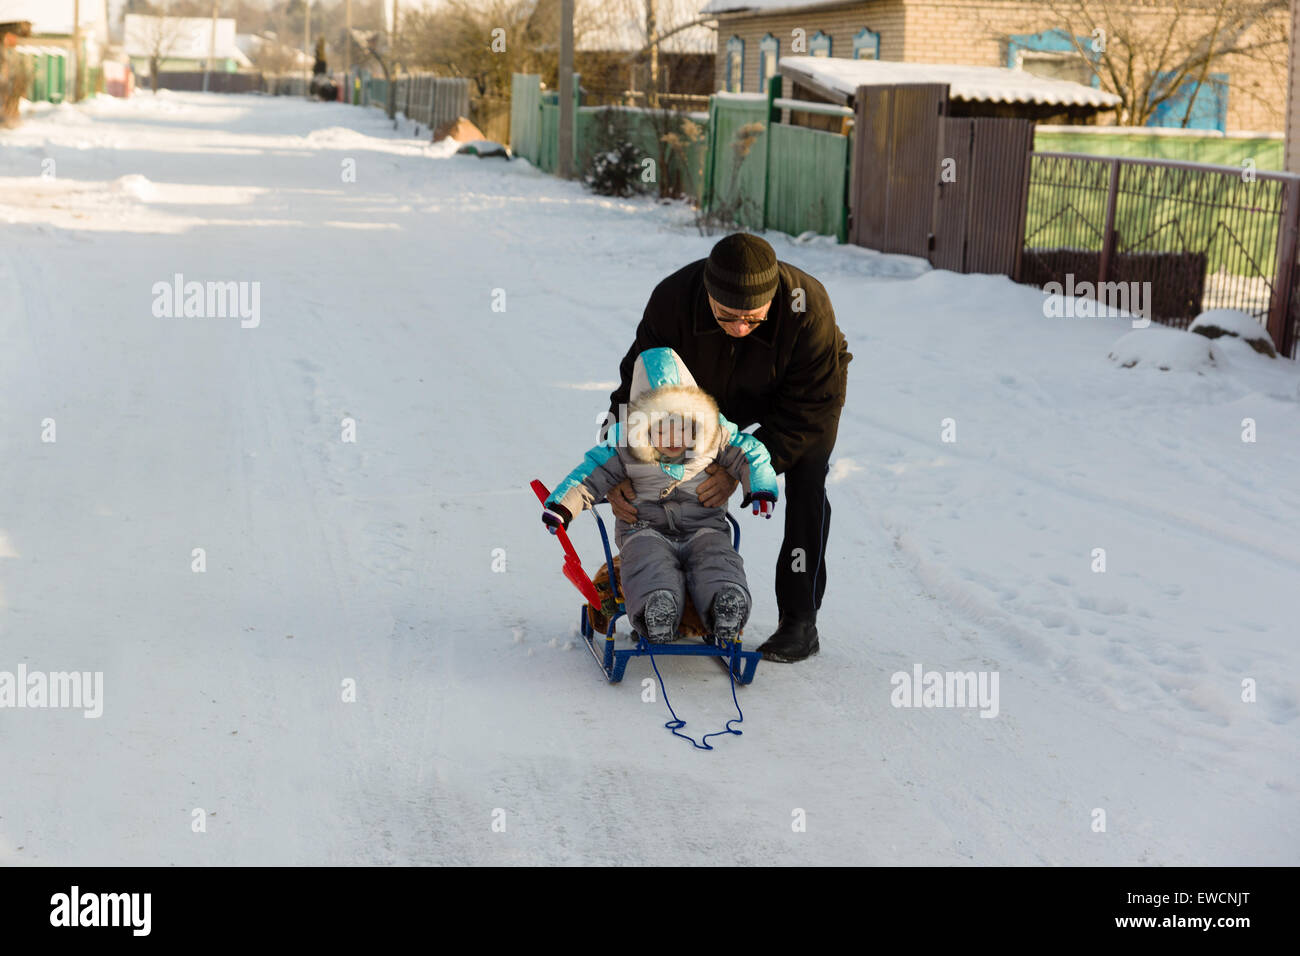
(801, 564)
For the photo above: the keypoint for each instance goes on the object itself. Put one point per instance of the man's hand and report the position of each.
(620, 498)
(716, 490)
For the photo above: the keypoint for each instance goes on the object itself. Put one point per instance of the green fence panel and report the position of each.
(40, 78)
(58, 78)
(526, 116)
(646, 130)
(805, 181)
(548, 159)
(1267, 152)
(548, 154)
(737, 174)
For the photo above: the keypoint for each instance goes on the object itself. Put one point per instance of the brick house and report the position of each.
(1241, 93)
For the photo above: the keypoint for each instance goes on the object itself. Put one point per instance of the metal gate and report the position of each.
(979, 211)
(895, 168)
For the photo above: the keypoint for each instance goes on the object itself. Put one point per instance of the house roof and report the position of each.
(619, 26)
(768, 6)
(838, 78)
(52, 17)
(251, 44)
(190, 38)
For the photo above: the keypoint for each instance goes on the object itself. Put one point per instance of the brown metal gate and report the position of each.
(896, 141)
(979, 209)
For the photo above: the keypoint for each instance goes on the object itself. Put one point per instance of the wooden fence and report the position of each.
(432, 100)
(766, 174)
(735, 177)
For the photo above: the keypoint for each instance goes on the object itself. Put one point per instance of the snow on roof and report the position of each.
(30, 49)
(50, 17)
(765, 6)
(839, 78)
(619, 25)
(188, 38)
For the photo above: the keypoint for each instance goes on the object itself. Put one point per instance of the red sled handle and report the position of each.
(572, 563)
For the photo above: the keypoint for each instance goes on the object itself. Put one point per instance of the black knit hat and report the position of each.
(740, 272)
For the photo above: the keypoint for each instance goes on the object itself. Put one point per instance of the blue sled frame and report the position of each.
(614, 662)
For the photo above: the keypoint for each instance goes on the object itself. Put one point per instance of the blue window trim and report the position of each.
(819, 41)
(735, 45)
(1055, 40)
(768, 46)
(866, 39)
(1209, 109)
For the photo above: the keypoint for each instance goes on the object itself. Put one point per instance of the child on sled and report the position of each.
(677, 546)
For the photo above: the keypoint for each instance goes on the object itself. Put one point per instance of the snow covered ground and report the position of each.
(373, 561)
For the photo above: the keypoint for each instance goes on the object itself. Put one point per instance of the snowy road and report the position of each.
(330, 561)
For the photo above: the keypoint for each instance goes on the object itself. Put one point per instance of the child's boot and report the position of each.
(728, 613)
(660, 617)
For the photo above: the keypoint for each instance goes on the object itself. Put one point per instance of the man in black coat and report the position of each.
(760, 336)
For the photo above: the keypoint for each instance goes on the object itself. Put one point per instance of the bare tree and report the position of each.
(483, 40)
(626, 36)
(1148, 51)
(273, 57)
(159, 35)
(375, 45)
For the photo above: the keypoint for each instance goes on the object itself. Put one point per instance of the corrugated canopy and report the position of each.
(765, 6)
(838, 78)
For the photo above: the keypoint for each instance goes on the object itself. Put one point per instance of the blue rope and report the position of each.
(677, 723)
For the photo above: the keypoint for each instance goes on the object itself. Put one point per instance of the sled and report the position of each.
(599, 616)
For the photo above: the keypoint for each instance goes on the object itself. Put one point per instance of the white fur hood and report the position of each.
(663, 387)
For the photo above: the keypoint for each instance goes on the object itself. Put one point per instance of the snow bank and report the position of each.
(1166, 349)
(135, 186)
(1214, 323)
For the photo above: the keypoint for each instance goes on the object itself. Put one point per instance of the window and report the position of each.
(819, 45)
(735, 65)
(1056, 66)
(768, 51)
(1055, 55)
(1208, 104)
(866, 45)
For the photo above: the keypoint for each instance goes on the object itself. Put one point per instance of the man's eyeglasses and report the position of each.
(728, 319)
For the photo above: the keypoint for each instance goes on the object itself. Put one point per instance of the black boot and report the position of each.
(660, 617)
(795, 639)
(729, 611)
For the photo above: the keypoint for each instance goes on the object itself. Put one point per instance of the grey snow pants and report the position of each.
(700, 564)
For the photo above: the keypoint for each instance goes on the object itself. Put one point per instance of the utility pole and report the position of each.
(652, 35)
(306, 41)
(565, 156)
(347, 47)
(76, 51)
(212, 46)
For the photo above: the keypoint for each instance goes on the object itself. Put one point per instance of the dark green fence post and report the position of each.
(773, 115)
(710, 151)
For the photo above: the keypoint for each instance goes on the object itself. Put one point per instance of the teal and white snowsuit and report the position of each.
(676, 543)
